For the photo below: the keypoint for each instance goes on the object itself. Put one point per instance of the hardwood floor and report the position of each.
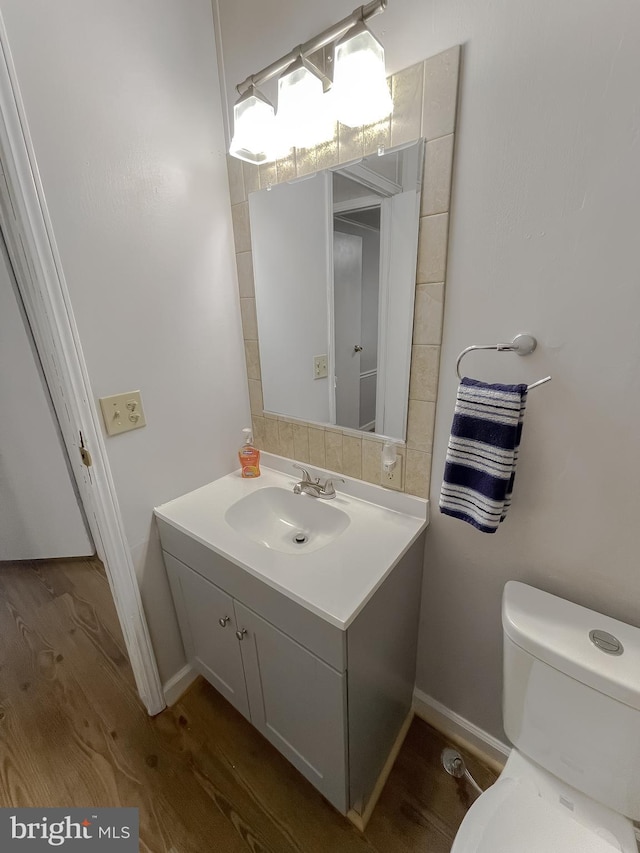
(73, 733)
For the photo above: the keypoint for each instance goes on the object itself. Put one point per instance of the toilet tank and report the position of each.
(571, 698)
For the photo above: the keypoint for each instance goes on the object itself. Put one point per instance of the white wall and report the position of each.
(544, 226)
(122, 101)
(291, 244)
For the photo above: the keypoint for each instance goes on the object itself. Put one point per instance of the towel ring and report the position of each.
(521, 345)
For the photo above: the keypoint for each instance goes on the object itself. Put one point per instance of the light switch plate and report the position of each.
(393, 479)
(320, 367)
(122, 412)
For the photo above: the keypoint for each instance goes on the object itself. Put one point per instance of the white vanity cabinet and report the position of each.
(332, 698)
(208, 626)
(296, 700)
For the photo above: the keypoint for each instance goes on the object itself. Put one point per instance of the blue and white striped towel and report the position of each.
(482, 453)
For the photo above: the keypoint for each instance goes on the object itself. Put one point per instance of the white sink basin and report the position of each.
(353, 542)
(279, 519)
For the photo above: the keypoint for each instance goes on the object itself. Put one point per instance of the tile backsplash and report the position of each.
(425, 105)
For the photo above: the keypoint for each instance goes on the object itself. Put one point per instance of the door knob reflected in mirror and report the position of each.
(223, 621)
(240, 634)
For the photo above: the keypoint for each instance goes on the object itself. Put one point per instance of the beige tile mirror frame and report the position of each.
(425, 104)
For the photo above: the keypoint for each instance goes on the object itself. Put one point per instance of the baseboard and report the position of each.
(178, 684)
(467, 735)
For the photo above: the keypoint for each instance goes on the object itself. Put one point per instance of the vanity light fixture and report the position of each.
(304, 117)
(254, 122)
(360, 87)
(307, 109)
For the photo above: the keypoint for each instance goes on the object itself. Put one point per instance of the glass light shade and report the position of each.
(360, 87)
(254, 129)
(304, 116)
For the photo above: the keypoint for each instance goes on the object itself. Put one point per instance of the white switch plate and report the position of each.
(122, 412)
(320, 367)
(393, 479)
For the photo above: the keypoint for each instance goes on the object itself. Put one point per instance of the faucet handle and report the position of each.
(306, 477)
(328, 488)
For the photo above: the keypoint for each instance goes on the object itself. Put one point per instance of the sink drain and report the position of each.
(300, 538)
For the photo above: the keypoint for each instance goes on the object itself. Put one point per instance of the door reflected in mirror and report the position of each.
(335, 267)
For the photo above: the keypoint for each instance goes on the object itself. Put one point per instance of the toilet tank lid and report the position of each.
(558, 632)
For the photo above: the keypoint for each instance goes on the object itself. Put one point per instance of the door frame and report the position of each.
(384, 294)
(350, 206)
(32, 248)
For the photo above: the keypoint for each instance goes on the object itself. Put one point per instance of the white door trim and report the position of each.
(365, 202)
(383, 313)
(331, 314)
(30, 240)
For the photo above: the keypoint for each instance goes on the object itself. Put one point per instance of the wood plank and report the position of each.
(74, 733)
(432, 803)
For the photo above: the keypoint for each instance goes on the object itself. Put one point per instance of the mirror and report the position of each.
(334, 259)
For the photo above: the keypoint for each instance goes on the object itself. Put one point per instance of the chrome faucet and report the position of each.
(314, 488)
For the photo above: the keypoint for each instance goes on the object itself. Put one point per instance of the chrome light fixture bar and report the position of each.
(297, 82)
(362, 13)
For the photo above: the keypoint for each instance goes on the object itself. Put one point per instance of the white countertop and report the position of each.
(334, 582)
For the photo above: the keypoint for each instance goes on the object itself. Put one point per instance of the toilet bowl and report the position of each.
(527, 810)
(572, 710)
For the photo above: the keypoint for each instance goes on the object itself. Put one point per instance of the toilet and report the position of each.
(571, 709)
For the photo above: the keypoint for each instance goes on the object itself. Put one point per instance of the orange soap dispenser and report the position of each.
(249, 456)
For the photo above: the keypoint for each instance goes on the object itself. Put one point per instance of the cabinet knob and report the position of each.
(223, 621)
(240, 634)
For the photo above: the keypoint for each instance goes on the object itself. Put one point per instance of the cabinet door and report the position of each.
(213, 649)
(298, 702)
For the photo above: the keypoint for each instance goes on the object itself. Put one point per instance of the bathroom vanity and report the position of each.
(303, 613)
